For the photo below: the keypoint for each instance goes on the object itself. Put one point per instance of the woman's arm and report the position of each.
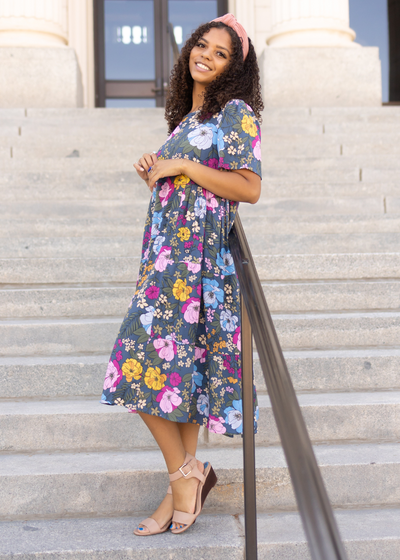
(241, 185)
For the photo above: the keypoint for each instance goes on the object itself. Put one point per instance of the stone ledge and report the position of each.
(40, 77)
(321, 76)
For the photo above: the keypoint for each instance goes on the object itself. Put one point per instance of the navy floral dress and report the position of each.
(177, 354)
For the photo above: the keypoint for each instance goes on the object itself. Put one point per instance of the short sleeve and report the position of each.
(239, 138)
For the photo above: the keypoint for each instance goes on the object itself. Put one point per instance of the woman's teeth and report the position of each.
(203, 66)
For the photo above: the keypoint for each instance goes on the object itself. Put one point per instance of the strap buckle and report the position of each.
(185, 474)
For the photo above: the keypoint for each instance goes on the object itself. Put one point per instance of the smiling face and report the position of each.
(210, 57)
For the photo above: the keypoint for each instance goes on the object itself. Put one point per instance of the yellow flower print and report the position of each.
(132, 368)
(232, 380)
(154, 379)
(181, 291)
(249, 126)
(181, 181)
(184, 233)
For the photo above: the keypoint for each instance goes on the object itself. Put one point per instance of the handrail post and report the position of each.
(249, 460)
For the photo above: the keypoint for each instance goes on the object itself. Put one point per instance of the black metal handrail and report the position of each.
(315, 510)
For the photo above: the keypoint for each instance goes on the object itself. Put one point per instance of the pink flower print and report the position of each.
(169, 399)
(191, 310)
(216, 425)
(210, 314)
(113, 376)
(208, 263)
(146, 254)
(166, 191)
(229, 389)
(223, 165)
(200, 247)
(193, 267)
(118, 355)
(175, 378)
(199, 290)
(256, 144)
(166, 349)
(211, 201)
(163, 259)
(188, 244)
(213, 162)
(200, 354)
(237, 339)
(120, 342)
(152, 292)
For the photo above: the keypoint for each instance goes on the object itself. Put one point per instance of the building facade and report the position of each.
(116, 53)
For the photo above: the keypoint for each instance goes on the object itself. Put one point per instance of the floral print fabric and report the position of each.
(178, 351)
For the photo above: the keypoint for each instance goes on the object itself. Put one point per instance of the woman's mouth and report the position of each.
(202, 67)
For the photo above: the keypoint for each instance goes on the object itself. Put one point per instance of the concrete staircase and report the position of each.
(325, 237)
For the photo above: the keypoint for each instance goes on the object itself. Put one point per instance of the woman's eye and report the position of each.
(200, 44)
(221, 53)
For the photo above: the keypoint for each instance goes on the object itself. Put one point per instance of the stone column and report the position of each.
(311, 23)
(37, 68)
(311, 58)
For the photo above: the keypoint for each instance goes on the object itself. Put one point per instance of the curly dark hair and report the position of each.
(240, 80)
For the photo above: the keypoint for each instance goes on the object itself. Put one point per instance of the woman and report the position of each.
(176, 361)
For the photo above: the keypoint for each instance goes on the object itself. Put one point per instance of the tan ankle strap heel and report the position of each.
(189, 469)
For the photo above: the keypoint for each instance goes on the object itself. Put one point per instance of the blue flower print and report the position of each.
(220, 140)
(147, 318)
(203, 404)
(212, 293)
(200, 207)
(225, 262)
(228, 321)
(158, 243)
(155, 224)
(197, 379)
(233, 416)
(215, 132)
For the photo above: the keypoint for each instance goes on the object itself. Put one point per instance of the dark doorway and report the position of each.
(394, 50)
(136, 44)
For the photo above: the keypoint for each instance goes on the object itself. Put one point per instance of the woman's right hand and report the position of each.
(143, 165)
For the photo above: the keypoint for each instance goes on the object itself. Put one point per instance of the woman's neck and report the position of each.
(197, 96)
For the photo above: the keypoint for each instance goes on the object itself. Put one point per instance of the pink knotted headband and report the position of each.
(231, 21)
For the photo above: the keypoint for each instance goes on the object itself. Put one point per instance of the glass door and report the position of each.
(137, 44)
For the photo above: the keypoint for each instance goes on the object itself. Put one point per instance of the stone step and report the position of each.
(105, 143)
(84, 186)
(260, 241)
(281, 217)
(367, 534)
(49, 337)
(87, 425)
(311, 370)
(269, 267)
(72, 301)
(124, 483)
(306, 169)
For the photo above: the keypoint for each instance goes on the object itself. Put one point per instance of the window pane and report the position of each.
(113, 103)
(129, 39)
(187, 16)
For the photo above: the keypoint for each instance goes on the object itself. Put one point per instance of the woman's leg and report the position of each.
(174, 440)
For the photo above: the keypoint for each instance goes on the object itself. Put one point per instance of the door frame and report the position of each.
(129, 88)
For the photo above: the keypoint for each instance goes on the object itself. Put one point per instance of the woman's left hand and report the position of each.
(164, 168)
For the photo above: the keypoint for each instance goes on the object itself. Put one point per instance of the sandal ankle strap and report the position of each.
(189, 469)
